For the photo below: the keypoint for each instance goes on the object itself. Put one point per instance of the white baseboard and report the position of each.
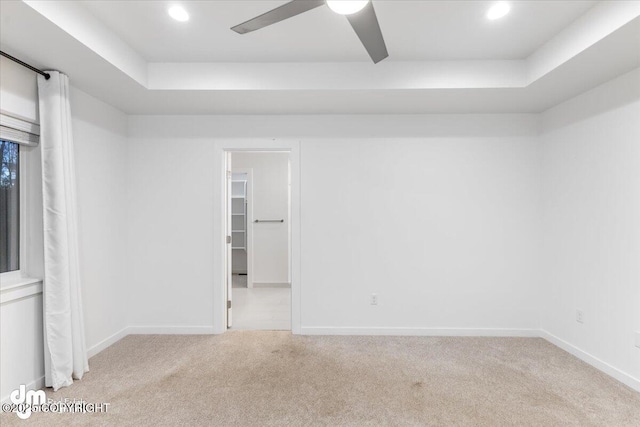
(37, 384)
(614, 372)
(107, 342)
(424, 332)
(170, 330)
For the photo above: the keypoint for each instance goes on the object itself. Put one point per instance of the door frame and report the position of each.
(219, 220)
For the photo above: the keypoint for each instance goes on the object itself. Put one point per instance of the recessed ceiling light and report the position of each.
(346, 7)
(498, 10)
(178, 13)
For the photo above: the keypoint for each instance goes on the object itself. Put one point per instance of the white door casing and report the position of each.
(228, 239)
(221, 287)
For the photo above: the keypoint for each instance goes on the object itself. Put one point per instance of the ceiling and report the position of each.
(413, 30)
(134, 57)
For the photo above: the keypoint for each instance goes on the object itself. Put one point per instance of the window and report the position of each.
(18, 198)
(9, 206)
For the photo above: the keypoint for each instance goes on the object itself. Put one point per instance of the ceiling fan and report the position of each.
(359, 13)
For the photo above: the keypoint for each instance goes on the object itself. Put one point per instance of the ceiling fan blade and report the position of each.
(365, 24)
(287, 10)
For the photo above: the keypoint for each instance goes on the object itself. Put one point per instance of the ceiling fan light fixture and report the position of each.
(346, 7)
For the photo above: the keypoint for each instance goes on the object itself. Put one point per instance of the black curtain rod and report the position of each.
(24, 64)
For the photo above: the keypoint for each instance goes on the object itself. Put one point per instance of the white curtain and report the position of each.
(65, 349)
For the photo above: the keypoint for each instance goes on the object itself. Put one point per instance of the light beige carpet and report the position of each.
(256, 378)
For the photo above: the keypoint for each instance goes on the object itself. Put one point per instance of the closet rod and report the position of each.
(24, 64)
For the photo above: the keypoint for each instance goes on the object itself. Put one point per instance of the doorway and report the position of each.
(258, 225)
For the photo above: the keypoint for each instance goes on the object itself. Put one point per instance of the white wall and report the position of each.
(443, 230)
(100, 140)
(270, 200)
(21, 344)
(441, 220)
(99, 133)
(591, 206)
(170, 231)
(18, 91)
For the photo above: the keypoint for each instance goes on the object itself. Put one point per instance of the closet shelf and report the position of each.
(239, 214)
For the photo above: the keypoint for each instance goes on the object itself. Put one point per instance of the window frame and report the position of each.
(26, 135)
(22, 260)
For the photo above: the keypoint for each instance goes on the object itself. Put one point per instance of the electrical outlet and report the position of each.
(374, 299)
(579, 316)
(638, 339)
